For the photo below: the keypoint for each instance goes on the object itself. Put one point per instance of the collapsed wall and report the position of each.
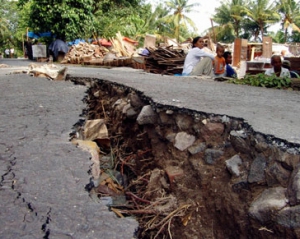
(200, 175)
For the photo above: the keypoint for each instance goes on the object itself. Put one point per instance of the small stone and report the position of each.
(239, 143)
(184, 140)
(147, 116)
(170, 136)
(268, 204)
(212, 131)
(257, 170)
(233, 164)
(131, 113)
(294, 187)
(169, 112)
(174, 172)
(197, 148)
(135, 100)
(225, 119)
(184, 122)
(165, 118)
(289, 217)
(212, 155)
(125, 108)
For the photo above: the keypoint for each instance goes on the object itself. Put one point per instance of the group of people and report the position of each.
(199, 61)
(9, 53)
(281, 68)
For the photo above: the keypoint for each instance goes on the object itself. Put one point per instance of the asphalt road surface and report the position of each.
(43, 175)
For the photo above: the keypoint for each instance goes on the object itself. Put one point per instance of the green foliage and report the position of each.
(68, 19)
(229, 16)
(263, 80)
(178, 15)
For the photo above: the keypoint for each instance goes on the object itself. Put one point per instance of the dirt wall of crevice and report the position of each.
(229, 181)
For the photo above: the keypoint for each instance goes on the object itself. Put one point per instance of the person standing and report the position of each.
(198, 61)
(12, 51)
(7, 53)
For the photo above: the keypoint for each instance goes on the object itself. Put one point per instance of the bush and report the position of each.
(263, 80)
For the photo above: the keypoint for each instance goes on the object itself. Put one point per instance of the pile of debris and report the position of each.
(165, 60)
(96, 54)
(84, 52)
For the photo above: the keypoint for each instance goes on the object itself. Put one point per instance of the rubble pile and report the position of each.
(188, 174)
(165, 60)
(85, 52)
(95, 54)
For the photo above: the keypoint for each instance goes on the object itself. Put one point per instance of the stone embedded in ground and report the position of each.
(276, 174)
(169, 112)
(165, 118)
(268, 204)
(197, 147)
(233, 165)
(135, 100)
(184, 122)
(212, 130)
(294, 188)
(95, 129)
(170, 136)
(254, 162)
(183, 140)
(173, 172)
(291, 161)
(147, 116)
(129, 111)
(239, 143)
(257, 170)
(289, 217)
(261, 146)
(212, 155)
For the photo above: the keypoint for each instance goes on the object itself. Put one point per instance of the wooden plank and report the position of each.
(267, 47)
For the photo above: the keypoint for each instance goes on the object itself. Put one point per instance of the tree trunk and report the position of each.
(285, 35)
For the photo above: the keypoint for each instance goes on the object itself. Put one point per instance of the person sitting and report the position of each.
(277, 68)
(219, 62)
(198, 61)
(230, 72)
(287, 64)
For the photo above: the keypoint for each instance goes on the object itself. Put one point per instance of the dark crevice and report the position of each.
(44, 226)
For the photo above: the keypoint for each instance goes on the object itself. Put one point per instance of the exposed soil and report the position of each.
(177, 193)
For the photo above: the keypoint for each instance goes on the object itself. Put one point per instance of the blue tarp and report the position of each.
(75, 42)
(58, 46)
(38, 35)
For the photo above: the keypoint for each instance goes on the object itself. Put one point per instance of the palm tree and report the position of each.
(262, 13)
(290, 12)
(230, 15)
(179, 10)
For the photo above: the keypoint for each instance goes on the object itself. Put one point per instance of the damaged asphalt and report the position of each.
(43, 175)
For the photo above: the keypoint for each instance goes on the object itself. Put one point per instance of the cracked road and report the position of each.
(42, 174)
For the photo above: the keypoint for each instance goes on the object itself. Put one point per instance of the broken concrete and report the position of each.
(230, 171)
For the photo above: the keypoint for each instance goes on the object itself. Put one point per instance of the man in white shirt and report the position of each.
(277, 69)
(198, 61)
(7, 52)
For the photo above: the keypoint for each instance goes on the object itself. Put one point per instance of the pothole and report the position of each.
(187, 174)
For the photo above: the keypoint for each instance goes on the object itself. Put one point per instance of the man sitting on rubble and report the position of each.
(198, 61)
(277, 68)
